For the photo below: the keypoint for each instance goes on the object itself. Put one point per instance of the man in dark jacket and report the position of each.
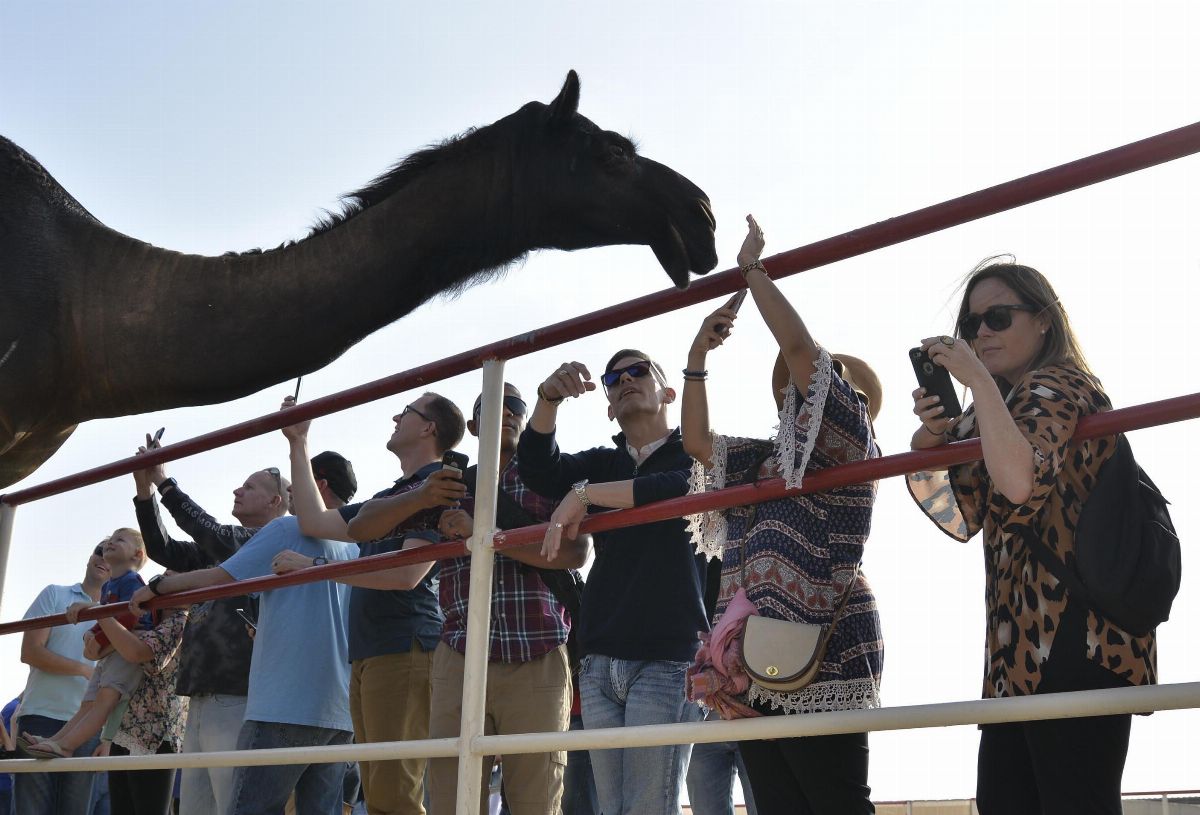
(643, 604)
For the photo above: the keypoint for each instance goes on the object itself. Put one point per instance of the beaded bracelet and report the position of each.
(542, 395)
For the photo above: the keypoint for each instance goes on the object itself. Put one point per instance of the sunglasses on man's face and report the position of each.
(637, 370)
(997, 318)
(99, 552)
(515, 405)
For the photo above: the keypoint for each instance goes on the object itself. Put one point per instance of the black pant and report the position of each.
(810, 775)
(1063, 766)
(140, 792)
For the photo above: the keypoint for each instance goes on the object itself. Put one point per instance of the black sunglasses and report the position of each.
(997, 318)
(278, 478)
(515, 404)
(637, 370)
(99, 551)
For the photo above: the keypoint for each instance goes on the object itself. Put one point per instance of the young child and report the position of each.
(114, 678)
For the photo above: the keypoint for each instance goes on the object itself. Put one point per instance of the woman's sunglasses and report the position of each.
(997, 318)
(637, 370)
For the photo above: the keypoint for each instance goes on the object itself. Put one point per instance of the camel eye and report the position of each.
(617, 152)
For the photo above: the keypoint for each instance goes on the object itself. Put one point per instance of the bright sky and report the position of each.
(225, 126)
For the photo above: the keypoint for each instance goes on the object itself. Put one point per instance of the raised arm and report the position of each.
(316, 520)
(400, 578)
(697, 435)
(798, 347)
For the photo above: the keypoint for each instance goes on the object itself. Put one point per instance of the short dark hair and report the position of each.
(447, 419)
(633, 352)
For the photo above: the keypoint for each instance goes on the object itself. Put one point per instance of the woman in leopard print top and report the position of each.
(1030, 385)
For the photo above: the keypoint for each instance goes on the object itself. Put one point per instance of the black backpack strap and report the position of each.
(1056, 567)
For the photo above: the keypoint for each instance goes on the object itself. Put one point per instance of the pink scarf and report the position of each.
(718, 676)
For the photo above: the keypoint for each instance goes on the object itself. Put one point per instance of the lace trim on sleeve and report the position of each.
(708, 529)
(800, 424)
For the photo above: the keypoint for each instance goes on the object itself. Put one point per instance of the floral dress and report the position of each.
(796, 557)
(1025, 602)
(155, 713)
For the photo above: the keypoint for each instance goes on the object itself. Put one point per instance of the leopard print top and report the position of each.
(1024, 601)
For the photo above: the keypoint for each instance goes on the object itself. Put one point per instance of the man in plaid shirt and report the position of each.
(529, 678)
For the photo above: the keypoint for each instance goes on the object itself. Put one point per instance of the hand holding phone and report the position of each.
(454, 460)
(246, 618)
(154, 442)
(936, 381)
(734, 303)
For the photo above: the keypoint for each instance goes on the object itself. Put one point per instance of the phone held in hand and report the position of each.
(296, 395)
(155, 442)
(247, 619)
(936, 381)
(454, 460)
(734, 303)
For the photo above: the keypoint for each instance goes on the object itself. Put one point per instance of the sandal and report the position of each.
(46, 748)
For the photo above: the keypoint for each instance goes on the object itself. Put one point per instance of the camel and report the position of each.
(96, 324)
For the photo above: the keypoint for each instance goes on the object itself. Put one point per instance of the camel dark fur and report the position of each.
(97, 324)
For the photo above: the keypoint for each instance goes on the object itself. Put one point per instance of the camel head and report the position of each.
(591, 188)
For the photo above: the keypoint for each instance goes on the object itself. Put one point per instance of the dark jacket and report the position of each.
(215, 654)
(644, 594)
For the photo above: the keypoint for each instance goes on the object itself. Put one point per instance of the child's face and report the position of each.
(120, 552)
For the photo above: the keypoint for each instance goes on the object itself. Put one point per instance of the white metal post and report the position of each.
(479, 612)
(7, 513)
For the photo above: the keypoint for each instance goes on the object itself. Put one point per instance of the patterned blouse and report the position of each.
(155, 713)
(797, 556)
(1025, 602)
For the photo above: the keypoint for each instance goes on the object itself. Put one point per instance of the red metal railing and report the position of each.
(1103, 424)
(1055, 181)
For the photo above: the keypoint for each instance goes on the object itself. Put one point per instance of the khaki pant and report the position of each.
(522, 697)
(389, 701)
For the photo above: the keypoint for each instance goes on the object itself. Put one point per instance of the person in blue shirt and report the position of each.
(114, 677)
(299, 668)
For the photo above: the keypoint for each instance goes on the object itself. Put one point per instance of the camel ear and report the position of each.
(564, 106)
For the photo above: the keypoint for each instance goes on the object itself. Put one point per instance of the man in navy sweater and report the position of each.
(643, 605)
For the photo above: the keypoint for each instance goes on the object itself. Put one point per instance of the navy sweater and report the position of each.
(644, 598)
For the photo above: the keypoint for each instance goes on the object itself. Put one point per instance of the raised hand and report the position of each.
(569, 379)
(443, 488)
(299, 430)
(753, 245)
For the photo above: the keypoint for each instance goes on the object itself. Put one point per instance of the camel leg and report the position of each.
(29, 451)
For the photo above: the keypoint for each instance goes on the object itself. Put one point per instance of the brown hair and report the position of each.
(1060, 345)
(448, 420)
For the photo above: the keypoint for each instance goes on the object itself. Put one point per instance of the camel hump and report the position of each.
(23, 175)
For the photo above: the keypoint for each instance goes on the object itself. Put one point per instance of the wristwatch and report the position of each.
(580, 488)
(166, 484)
(320, 560)
(153, 584)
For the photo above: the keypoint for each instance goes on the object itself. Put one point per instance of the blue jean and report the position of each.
(52, 793)
(628, 693)
(710, 779)
(264, 790)
(579, 789)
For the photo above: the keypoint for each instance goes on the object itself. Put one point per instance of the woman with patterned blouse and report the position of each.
(793, 558)
(155, 718)
(1030, 386)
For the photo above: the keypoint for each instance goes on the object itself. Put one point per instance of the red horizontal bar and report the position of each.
(1066, 177)
(1151, 414)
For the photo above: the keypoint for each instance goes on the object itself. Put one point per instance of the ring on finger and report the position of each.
(947, 340)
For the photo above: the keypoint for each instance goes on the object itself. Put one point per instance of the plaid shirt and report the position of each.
(527, 620)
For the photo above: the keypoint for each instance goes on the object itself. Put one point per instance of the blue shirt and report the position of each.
(56, 696)
(299, 670)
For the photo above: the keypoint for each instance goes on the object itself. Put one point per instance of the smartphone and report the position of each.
(296, 395)
(734, 303)
(454, 460)
(241, 612)
(936, 381)
(154, 441)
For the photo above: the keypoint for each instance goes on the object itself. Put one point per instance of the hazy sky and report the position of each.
(225, 126)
